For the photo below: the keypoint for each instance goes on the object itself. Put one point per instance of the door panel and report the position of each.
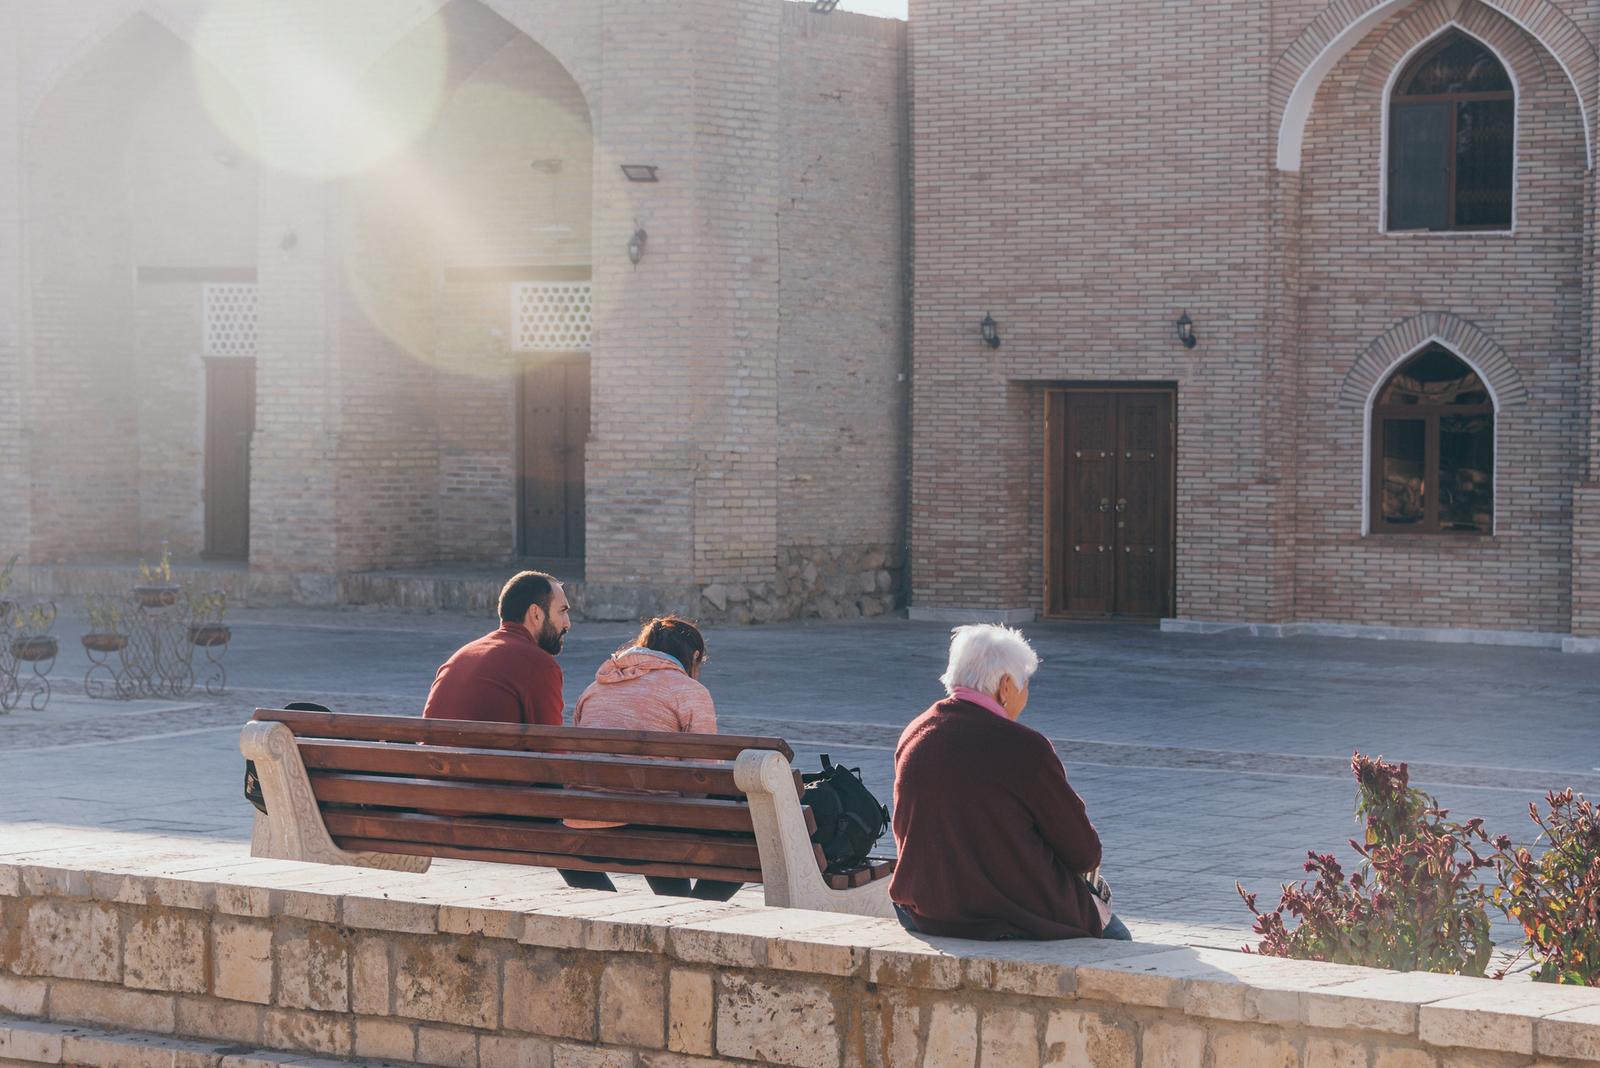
(554, 421)
(1090, 556)
(1143, 501)
(230, 422)
(1110, 503)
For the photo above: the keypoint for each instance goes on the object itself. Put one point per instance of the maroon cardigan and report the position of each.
(503, 677)
(991, 837)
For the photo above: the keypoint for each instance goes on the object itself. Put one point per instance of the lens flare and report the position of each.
(502, 179)
(325, 104)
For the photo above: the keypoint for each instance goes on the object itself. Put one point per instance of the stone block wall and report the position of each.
(422, 970)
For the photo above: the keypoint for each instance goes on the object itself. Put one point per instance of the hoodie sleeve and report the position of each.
(697, 714)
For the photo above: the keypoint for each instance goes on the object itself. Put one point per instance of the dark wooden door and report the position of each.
(555, 428)
(230, 422)
(1110, 501)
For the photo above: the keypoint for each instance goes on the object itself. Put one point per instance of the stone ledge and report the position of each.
(461, 964)
(1525, 639)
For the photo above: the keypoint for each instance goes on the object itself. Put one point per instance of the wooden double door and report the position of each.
(554, 432)
(1109, 503)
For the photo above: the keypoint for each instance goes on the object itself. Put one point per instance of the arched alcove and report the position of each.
(465, 334)
(138, 206)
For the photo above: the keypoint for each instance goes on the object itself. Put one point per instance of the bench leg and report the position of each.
(292, 828)
(788, 865)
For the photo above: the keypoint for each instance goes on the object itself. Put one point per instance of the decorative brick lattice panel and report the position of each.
(229, 319)
(551, 316)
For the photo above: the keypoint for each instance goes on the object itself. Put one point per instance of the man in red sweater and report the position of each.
(993, 842)
(509, 675)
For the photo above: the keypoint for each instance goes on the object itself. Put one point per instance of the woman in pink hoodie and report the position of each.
(652, 684)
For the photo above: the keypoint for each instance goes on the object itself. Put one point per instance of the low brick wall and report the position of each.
(455, 967)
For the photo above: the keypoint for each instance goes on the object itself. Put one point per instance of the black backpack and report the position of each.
(849, 819)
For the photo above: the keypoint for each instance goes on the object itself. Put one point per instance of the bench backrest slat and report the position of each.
(626, 844)
(491, 765)
(439, 795)
(518, 736)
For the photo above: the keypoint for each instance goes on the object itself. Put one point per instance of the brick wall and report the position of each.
(841, 404)
(1085, 207)
(1087, 191)
(1523, 291)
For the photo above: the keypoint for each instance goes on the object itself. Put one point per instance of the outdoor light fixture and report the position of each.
(991, 331)
(1185, 327)
(636, 244)
(640, 172)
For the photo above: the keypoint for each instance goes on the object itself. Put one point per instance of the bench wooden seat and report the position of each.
(394, 792)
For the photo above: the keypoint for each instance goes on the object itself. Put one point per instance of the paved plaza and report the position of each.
(1202, 759)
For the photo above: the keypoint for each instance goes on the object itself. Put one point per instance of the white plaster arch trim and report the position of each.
(1496, 398)
(1302, 97)
(1385, 107)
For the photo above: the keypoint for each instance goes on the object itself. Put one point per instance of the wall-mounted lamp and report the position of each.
(636, 244)
(991, 331)
(640, 172)
(1185, 327)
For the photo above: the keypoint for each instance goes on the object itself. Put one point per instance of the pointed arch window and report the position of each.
(1452, 139)
(1433, 448)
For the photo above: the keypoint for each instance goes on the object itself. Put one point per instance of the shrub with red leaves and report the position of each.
(1415, 903)
(1556, 895)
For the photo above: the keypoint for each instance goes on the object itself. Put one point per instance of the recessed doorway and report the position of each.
(1109, 502)
(554, 418)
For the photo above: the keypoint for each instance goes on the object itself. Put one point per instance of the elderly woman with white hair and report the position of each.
(993, 842)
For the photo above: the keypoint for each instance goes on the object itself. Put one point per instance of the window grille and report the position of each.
(229, 314)
(551, 316)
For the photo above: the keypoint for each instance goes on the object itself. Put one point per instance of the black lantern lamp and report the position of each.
(1185, 327)
(991, 331)
(636, 244)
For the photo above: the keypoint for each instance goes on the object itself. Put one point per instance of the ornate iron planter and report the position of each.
(161, 595)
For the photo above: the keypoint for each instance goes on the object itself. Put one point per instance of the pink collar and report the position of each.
(982, 700)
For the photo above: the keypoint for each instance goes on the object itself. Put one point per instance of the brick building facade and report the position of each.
(427, 265)
(371, 260)
(1087, 176)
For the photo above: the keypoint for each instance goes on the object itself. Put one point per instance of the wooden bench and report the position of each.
(395, 791)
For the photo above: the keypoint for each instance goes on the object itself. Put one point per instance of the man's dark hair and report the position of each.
(526, 588)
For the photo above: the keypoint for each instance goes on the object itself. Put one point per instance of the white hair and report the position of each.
(984, 653)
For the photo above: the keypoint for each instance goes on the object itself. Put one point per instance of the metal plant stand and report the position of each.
(156, 657)
(26, 660)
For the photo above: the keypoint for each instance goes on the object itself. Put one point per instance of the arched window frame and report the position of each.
(1369, 487)
(1387, 110)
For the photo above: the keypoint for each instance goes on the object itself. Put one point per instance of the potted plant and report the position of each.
(105, 625)
(5, 584)
(205, 618)
(34, 643)
(155, 588)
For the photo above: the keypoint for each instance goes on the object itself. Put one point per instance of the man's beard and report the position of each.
(549, 639)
